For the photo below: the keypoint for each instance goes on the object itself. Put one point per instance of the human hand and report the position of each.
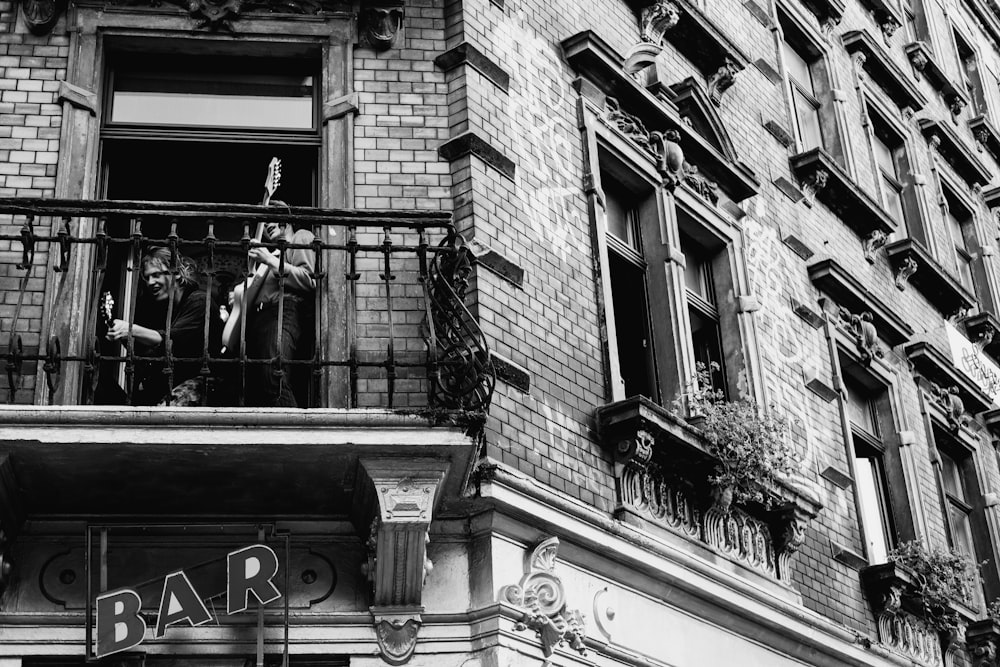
(264, 256)
(118, 330)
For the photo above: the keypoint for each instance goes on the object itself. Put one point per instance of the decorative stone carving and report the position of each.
(814, 183)
(982, 137)
(957, 104)
(906, 270)
(656, 19)
(541, 597)
(829, 25)
(985, 337)
(792, 521)
(665, 148)
(899, 630)
(873, 243)
(380, 26)
(741, 537)
(865, 335)
(722, 80)
(214, 14)
(919, 61)
(888, 25)
(220, 14)
(982, 640)
(954, 407)
(40, 15)
(404, 492)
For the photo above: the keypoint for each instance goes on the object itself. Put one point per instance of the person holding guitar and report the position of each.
(161, 284)
(264, 386)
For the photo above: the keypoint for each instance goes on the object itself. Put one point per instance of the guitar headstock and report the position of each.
(106, 308)
(273, 179)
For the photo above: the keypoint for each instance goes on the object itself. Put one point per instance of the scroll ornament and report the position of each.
(542, 600)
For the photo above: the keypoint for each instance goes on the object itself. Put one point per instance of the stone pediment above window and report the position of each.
(849, 294)
(883, 71)
(954, 151)
(958, 395)
(639, 114)
(662, 468)
(695, 36)
(823, 179)
(913, 264)
(696, 109)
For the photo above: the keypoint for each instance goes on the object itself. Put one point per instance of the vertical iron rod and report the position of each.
(390, 356)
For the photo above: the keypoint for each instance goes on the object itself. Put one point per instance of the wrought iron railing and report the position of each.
(390, 326)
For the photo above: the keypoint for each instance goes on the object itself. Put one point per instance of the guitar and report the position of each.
(249, 289)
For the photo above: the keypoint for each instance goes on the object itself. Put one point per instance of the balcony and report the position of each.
(386, 326)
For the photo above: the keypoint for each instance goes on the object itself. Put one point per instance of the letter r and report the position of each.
(119, 625)
(250, 570)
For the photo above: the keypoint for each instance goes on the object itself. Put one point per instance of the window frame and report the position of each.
(965, 251)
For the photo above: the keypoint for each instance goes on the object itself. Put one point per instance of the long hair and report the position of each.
(184, 274)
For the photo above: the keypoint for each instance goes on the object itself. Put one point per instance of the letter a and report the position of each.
(250, 570)
(119, 625)
(179, 602)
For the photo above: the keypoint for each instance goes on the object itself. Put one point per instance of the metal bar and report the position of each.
(168, 343)
(260, 614)
(352, 276)
(104, 560)
(288, 561)
(133, 301)
(205, 372)
(433, 373)
(279, 370)
(244, 309)
(390, 356)
(89, 632)
(319, 318)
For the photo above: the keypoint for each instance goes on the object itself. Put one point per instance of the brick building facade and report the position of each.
(534, 222)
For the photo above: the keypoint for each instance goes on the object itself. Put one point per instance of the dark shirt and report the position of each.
(187, 333)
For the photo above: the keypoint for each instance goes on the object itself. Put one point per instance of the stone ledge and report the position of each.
(469, 143)
(467, 54)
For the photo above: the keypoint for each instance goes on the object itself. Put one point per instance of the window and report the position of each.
(957, 507)
(968, 67)
(627, 270)
(870, 482)
(805, 104)
(961, 228)
(892, 169)
(909, 20)
(706, 333)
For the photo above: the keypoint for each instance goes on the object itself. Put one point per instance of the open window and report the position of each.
(962, 232)
(970, 75)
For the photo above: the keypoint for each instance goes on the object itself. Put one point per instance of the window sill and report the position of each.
(822, 178)
(883, 71)
(913, 264)
(662, 468)
(924, 64)
(986, 135)
(953, 149)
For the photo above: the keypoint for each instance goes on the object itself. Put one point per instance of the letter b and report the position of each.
(119, 625)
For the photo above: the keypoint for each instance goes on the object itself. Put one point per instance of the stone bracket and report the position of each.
(401, 496)
(380, 23)
(336, 107)
(78, 97)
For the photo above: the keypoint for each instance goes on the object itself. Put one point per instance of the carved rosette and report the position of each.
(656, 19)
(722, 80)
(541, 597)
(952, 404)
(380, 26)
(906, 270)
(404, 493)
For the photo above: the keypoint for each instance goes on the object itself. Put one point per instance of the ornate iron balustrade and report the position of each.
(390, 328)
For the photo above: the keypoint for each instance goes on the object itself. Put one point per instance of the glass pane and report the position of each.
(951, 476)
(965, 270)
(215, 99)
(621, 217)
(860, 409)
(893, 199)
(706, 340)
(874, 520)
(807, 115)
(797, 66)
(962, 531)
(883, 155)
(957, 231)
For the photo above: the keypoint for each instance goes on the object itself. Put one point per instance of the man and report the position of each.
(264, 386)
(161, 286)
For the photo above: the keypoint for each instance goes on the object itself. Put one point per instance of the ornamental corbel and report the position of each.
(541, 598)
(985, 337)
(380, 24)
(813, 184)
(905, 271)
(788, 530)
(873, 243)
(982, 640)
(40, 16)
(956, 104)
(402, 497)
(889, 25)
(865, 335)
(722, 80)
(670, 157)
(656, 19)
(954, 407)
